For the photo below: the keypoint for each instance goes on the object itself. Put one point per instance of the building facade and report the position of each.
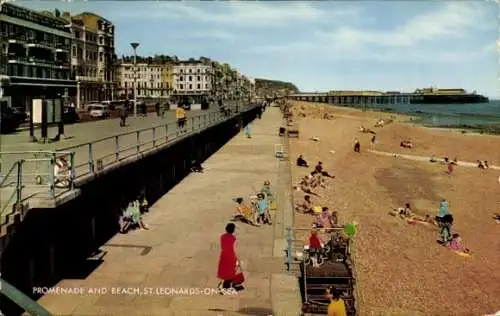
(34, 55)
(93, 57)
(193, 78)
(152, 80)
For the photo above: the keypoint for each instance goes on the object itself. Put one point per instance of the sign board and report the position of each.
(50, 111)
(36, 116)
(57, 111)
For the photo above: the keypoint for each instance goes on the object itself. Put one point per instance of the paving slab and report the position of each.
(186, 226)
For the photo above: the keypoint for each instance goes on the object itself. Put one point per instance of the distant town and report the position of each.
(72, 57)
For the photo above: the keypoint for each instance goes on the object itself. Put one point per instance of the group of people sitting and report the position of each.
(483, 164)
(132, 214)
(406, 144)
(451, 164)
(312, 180)
(259, 210)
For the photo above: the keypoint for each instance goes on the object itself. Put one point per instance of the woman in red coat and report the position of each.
(228, 262)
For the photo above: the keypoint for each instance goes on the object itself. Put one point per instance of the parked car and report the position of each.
(99, 111)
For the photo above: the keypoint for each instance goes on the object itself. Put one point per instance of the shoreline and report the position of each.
(486, 129)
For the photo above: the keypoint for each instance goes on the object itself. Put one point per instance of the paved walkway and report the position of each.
(186, 226)
(14, 147)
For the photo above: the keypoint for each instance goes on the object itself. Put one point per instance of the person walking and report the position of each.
(124, 114)
(228, 261)
(357, 145)
(180, 114)
(248, 131)
(157, 109)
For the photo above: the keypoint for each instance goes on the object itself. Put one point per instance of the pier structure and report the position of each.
(353, 97)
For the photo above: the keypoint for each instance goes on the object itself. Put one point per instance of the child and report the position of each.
(315, 246)
(456, 244)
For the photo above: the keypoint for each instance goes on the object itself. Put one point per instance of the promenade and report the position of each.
(186, 224)
(139, 135)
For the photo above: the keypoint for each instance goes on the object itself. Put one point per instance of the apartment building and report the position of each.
(34, 56)
(93, 57)
(152, 80)
(193, 78)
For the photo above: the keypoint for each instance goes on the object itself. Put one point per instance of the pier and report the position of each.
(350, 98)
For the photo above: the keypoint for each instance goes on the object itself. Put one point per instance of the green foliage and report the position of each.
(271, 88)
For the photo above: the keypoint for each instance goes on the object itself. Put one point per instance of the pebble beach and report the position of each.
(401, 268)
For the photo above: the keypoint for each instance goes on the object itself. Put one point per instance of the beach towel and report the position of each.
(318, 209)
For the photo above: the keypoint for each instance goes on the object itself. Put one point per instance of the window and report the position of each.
(181, 78)
(198, 78)
(73, 51)
(190, 70)
(77, 34)
(206, 86)
(198, 86)
(182, 86)
(190, 78)
(198, 70)
(191, 86)
(182, 70)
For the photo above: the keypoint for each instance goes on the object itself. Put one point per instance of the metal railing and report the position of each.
(22, 300)
(31, 176)
(295, 244)
(94, 156)
(36, 175)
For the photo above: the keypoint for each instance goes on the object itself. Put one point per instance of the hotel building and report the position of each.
(92, 57)
(34, 56)
(153, 80)
(193, 78)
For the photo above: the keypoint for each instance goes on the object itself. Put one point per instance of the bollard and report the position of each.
(91, 159)
(117, 148)
(138, 141)
(289, 240)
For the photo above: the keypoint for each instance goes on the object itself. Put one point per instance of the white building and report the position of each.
(149, 80)
(192, 78)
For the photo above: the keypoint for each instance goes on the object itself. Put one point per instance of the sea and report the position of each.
(472, 115)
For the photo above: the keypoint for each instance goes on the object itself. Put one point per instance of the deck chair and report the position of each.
(279, 151)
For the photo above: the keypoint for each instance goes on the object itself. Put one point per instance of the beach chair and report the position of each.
(279, 151)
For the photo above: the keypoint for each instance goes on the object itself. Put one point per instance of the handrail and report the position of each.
(22, 300)
(158, 135)
(9, 173)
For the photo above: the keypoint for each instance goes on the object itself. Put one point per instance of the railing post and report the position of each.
(192, 123)
(91, 159)
(117, 148)
(166, 133)
(205, 120)
(52, 175)
(154, 136)
(138, 133)
(72, 174)
(19, 187)
(289, 241)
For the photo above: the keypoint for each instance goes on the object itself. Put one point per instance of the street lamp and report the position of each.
(134, 47)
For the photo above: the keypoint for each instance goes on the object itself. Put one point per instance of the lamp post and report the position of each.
(134, 47)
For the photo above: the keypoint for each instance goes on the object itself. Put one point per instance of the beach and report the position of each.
(401, 269)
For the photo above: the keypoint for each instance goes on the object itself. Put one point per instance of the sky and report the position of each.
(319, 46)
